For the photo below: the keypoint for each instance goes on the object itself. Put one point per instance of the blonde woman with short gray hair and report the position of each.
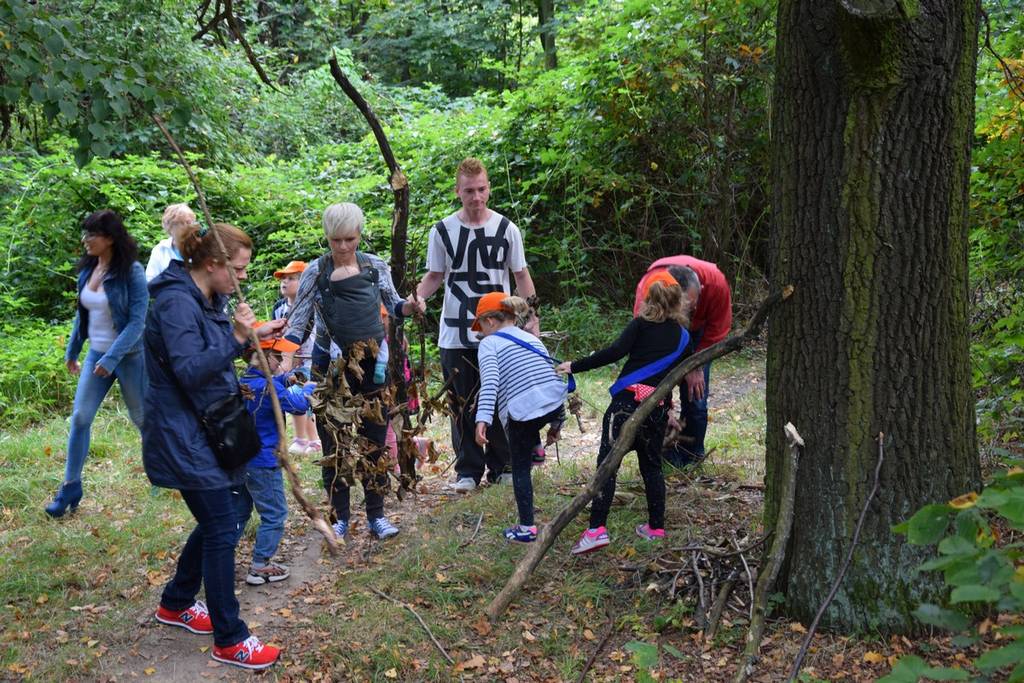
(340, 294)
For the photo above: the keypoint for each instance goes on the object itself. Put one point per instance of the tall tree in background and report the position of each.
(546, 22)
(871, 153)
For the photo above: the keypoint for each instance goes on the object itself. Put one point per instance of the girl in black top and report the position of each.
(658, 334)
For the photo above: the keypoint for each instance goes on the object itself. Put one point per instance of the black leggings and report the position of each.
(522, 438)
(647, 445)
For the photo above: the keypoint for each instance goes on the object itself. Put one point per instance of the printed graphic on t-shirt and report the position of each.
(475, 260)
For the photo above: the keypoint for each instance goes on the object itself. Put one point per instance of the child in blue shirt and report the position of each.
(264, 486)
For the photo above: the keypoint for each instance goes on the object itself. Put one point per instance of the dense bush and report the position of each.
(997, 259)
(33, 379)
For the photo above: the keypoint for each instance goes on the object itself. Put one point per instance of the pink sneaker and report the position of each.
(645, 531)
(591, 540)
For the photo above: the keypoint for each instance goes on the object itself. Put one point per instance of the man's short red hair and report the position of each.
(470, 167)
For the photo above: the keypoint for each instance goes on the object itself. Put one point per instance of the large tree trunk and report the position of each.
(872, 125)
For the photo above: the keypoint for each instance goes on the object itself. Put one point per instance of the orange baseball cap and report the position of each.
(662, 276)
(280, 345)
(290, 269)
(489, 303)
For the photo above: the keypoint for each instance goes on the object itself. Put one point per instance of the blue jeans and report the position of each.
(264, 490)
(130, 374)
(209, 558)
(690, 449)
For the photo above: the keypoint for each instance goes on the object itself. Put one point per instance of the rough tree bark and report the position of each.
(545, 20)
(873, 113)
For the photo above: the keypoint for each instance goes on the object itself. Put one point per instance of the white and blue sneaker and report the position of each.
(521, 534)
(340, 528)
(382, 528)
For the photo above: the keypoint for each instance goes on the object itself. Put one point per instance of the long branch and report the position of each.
(281, 451)
(766, 578)
(236, 30)
(399, 230)
(550, 531)
(846, 563)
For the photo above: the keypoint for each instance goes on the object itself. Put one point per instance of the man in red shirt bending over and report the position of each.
(710, 322)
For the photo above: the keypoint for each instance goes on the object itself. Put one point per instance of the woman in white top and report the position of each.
(111, 314)
(177, 217)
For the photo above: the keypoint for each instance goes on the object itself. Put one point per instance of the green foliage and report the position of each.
(33, 379)
(628, 148)
(981, 573)
(99, 74)
(912, 669)
(997, 260)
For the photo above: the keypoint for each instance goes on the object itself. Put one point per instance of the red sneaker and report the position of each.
(250, 654)
(196, 618)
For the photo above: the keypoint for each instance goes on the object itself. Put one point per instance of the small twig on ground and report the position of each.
(846, 564)
(718, 608)
(750, 577)
(597, 650)
(475, 532)
(702, 610)
(426, 628)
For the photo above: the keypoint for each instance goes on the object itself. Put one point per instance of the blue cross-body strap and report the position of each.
(654, 368)
(531, 347)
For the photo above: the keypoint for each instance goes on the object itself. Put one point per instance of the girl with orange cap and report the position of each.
(652, 344)
(519, 387)
(305, 441)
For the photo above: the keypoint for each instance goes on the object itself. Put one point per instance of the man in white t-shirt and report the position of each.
(472, 252)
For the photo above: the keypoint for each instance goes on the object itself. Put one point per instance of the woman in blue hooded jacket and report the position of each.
(111, 311)
(191, 343)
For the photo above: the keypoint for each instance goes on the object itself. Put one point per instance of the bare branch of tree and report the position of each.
(549, 532)
(282, 449)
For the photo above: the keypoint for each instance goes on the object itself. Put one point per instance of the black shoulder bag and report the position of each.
(231, 431)
(230, 428)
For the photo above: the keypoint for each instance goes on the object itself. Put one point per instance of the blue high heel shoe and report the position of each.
(68, 496)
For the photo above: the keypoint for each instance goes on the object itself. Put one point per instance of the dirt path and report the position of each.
(279, 612)
(155, 652)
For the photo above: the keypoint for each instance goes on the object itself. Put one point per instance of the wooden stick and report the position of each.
(783, 525)
(549, 532)
(717, 608)
(282, 450)
(475, 532)
(426, 628)
(597, 650)
(399, 184)
(846, 564)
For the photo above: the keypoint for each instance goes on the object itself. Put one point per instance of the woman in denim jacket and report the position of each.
(111, 313)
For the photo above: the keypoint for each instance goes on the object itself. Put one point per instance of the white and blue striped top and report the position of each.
(522, 384)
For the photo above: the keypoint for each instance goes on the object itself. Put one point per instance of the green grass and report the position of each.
(73, 588)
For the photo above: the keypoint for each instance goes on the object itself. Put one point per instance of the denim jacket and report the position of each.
(128, 299)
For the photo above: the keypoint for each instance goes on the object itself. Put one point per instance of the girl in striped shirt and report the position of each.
(518, 382)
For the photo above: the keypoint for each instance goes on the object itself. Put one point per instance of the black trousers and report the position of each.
(374, 484)
(647, 445)
(470, 459)
(522, 438)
